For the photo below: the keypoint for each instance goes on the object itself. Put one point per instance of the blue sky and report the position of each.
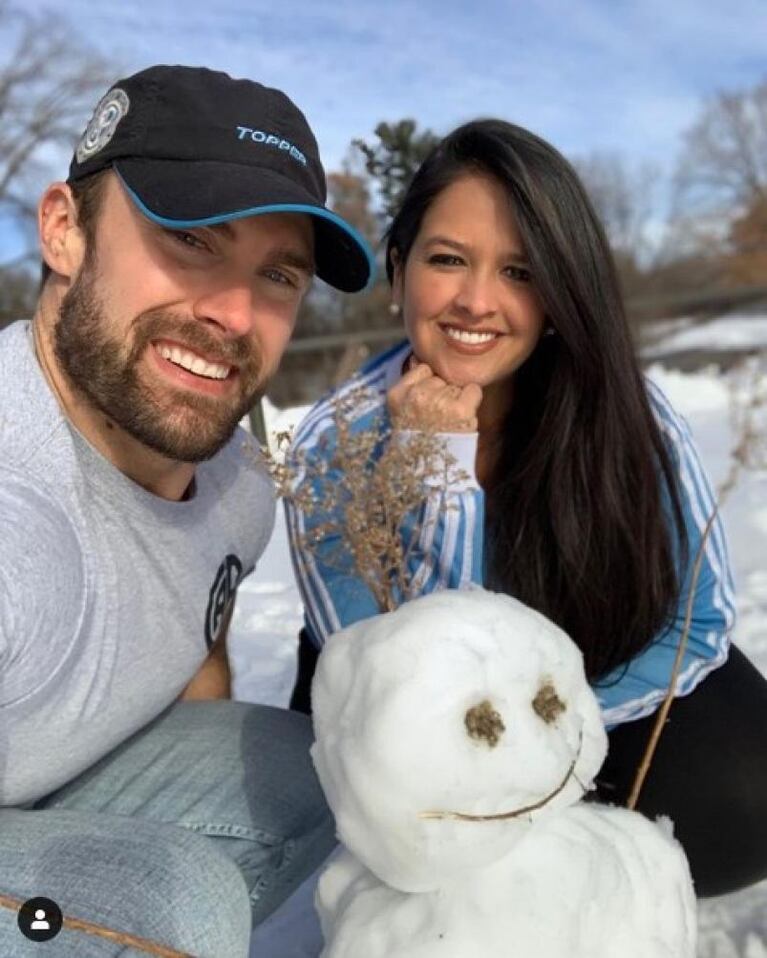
(588, 75)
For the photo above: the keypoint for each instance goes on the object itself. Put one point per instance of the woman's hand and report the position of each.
(421, 400)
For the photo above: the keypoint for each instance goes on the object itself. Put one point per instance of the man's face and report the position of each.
(172, 334)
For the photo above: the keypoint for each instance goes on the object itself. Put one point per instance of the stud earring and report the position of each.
(394, 309)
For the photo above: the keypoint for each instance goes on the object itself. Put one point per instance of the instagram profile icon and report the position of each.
(40, 919)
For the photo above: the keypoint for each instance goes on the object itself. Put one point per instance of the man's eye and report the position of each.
(279, 276)
(188, 239)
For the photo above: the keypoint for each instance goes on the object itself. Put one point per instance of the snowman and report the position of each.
(456, 740)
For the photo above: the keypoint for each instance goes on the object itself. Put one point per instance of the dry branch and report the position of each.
(517, 812)
(748, 452)
(144, 945)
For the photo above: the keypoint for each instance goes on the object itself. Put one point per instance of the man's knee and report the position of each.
(153, 881)
(191, 887)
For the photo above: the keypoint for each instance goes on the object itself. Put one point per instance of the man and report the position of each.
(176, 256)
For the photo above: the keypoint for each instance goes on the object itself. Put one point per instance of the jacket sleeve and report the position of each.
(639, 687)
(445, 536)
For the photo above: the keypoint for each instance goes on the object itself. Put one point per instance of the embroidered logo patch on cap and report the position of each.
(100, 130)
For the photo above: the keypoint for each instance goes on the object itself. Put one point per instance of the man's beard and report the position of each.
(180, 424)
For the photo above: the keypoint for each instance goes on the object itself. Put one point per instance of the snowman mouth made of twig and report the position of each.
(518, 812)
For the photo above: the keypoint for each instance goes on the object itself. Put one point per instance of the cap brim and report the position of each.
(181, 195)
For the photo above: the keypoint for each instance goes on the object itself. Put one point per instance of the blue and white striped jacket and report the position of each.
(450, 553)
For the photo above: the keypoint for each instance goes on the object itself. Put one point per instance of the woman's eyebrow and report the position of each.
(513, 256)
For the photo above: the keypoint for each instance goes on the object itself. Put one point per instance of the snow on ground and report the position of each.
(735, 331)
(269, 615)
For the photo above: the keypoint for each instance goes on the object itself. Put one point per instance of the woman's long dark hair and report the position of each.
(584, 521)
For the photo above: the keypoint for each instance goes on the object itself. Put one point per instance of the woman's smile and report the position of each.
(470, 341)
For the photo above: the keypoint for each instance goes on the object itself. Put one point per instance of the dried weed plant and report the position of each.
(367, 491)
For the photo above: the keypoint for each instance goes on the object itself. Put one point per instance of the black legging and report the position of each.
(301, 699)
(709, 774)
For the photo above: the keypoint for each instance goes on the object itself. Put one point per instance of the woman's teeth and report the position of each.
(463, 336)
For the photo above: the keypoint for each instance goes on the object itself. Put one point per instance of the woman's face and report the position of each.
(468, 300)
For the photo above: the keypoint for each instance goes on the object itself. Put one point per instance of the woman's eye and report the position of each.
(445, 259)
(519, 274)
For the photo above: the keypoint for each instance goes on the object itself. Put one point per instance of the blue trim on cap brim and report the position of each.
(317, 211)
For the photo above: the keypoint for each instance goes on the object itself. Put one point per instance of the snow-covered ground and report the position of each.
(735, 331)
(269, 615)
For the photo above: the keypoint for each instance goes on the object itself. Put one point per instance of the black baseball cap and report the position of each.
(194, 147)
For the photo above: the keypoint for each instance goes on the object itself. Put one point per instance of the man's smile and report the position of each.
(184, 367)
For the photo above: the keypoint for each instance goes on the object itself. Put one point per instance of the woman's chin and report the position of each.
(459, 374)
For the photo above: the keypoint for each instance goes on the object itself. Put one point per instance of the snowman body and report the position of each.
(455, 738)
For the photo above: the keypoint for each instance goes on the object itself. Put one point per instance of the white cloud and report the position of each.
(626, 77)
(588, 75)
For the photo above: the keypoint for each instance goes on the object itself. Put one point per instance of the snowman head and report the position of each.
(445, 729)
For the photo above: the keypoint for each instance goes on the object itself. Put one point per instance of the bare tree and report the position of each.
(720, 186)
(18, 291)
(623, 198)
(748, 237)
(724, 160)
(349, 195)
(49, 83)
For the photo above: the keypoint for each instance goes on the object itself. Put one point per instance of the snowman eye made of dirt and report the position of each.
(484, 724)
(548, 704)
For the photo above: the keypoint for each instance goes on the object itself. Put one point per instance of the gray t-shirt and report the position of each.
(109, 596)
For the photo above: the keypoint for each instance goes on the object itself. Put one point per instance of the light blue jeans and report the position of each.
(187, 834)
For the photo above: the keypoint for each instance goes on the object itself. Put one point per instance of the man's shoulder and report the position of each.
(29, 414)
(14, 359)
(32, 512)
(43, 556)
(240, 462)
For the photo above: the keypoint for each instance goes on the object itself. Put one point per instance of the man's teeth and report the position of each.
(193, 363)
(464, 336)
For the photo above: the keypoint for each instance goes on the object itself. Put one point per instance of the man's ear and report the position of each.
(62, 243)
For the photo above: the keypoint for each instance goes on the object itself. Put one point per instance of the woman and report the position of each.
(586, 499)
